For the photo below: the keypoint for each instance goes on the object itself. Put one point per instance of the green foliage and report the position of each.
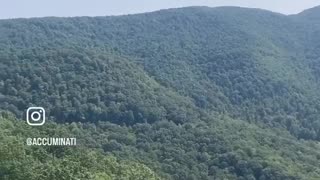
(250, 64)
(87, 86)
(19, 161)
(191, 93)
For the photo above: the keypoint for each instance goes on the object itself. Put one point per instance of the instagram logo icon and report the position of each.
(36, 116)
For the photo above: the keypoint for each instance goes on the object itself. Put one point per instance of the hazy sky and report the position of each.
(40, 8)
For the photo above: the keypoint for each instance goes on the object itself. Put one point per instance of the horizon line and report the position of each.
(153, 11)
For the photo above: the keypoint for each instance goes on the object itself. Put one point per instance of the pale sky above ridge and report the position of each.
(70, 8)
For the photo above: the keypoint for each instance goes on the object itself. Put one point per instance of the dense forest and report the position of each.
(190, 93)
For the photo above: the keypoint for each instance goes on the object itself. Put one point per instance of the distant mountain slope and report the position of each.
(83, 85)
(199, 92)
(311, 14)
(243, 62)
(310, 20)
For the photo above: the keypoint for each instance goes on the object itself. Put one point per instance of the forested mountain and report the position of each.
(189, 93)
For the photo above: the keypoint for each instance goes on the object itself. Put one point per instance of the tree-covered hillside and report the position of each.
(189, 93)
(21, 162)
